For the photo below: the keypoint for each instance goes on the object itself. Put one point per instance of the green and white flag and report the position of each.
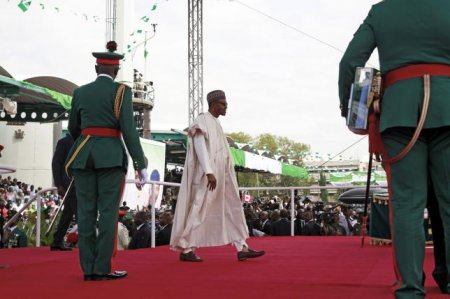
(24, 5)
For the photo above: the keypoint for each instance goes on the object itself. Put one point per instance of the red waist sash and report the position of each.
(415, 71)
(101, 132)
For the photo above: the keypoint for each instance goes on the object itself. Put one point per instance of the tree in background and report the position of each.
(294, 150)
(277, 145)
(267, 142)
(240, 137)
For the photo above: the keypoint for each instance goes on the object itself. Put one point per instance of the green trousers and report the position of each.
(98, 195)
(408, 179)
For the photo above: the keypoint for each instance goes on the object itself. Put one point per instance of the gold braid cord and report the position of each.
(75, 153)
(117, 106)
(423, 116)
(119, 100)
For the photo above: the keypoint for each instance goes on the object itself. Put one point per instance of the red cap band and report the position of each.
(107, 61)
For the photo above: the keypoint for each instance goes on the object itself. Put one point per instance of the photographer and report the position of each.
(329, 222)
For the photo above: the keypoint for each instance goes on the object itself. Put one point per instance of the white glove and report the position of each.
(143, 176)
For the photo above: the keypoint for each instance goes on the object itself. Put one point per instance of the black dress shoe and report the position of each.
(243, 255)
(110, 276)
(87, 277)
(59, 247)
(441, 281)
(190, 257)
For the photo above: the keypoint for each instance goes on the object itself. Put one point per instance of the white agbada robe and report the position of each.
(204, 217)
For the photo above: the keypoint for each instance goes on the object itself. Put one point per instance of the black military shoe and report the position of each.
(190, 257)
(59, 247)
(243, 255)
(441, 281)
(110, 276)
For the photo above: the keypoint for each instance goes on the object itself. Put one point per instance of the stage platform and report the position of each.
(293, 267)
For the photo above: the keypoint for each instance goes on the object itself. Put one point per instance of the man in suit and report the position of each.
(412, 39)
(163, 236)
(101, 113)
(142, 237)
(266, 225)
(311, 227)
(299, 222)
(62, 182)
(282, 227)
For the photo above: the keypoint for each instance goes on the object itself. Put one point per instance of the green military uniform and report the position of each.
(409, 32)
(17, 238)
(99, 166)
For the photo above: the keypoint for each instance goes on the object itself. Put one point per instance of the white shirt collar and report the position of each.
(105, 75)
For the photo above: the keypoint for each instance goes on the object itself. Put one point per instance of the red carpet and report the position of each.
(294, 267)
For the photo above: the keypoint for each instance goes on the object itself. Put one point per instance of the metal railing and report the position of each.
(153, 200)
(37, 197)
(7, 169)
(291, 189)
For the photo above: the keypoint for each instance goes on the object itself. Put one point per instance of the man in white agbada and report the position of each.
(209, 211)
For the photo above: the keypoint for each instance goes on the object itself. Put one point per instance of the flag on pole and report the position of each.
(24, 5)
(145, 46)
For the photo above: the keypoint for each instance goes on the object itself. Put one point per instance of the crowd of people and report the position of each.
(134, 226)
(265, 216)
(271, 216)
(15, 195)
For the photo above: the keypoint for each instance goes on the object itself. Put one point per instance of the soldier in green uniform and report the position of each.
(412, 38)
(15, 237)
(101, 114)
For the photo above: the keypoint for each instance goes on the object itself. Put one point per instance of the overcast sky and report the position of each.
(277, 79)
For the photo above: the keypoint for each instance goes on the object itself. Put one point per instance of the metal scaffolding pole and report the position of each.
(111, 20)
(195, 58)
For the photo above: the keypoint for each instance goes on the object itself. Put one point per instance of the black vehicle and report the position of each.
(358, 195)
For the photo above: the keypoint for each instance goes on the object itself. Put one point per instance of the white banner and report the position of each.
(156, 155)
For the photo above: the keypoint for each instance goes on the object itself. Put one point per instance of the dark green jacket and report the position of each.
(17, 239)
(93, 106)
(405, 32)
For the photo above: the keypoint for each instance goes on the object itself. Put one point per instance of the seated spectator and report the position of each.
(50, 209)
(266, 225)
(275, 216)
(282, 227)
(11, 194)
(142, 236)
(3, 219)
(163, 236)
(18, 204)
(2, 193)
(123, 235)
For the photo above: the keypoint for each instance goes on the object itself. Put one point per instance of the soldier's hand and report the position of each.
(211, 181)
(143, 176)
(136, 177)
(61, 191)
